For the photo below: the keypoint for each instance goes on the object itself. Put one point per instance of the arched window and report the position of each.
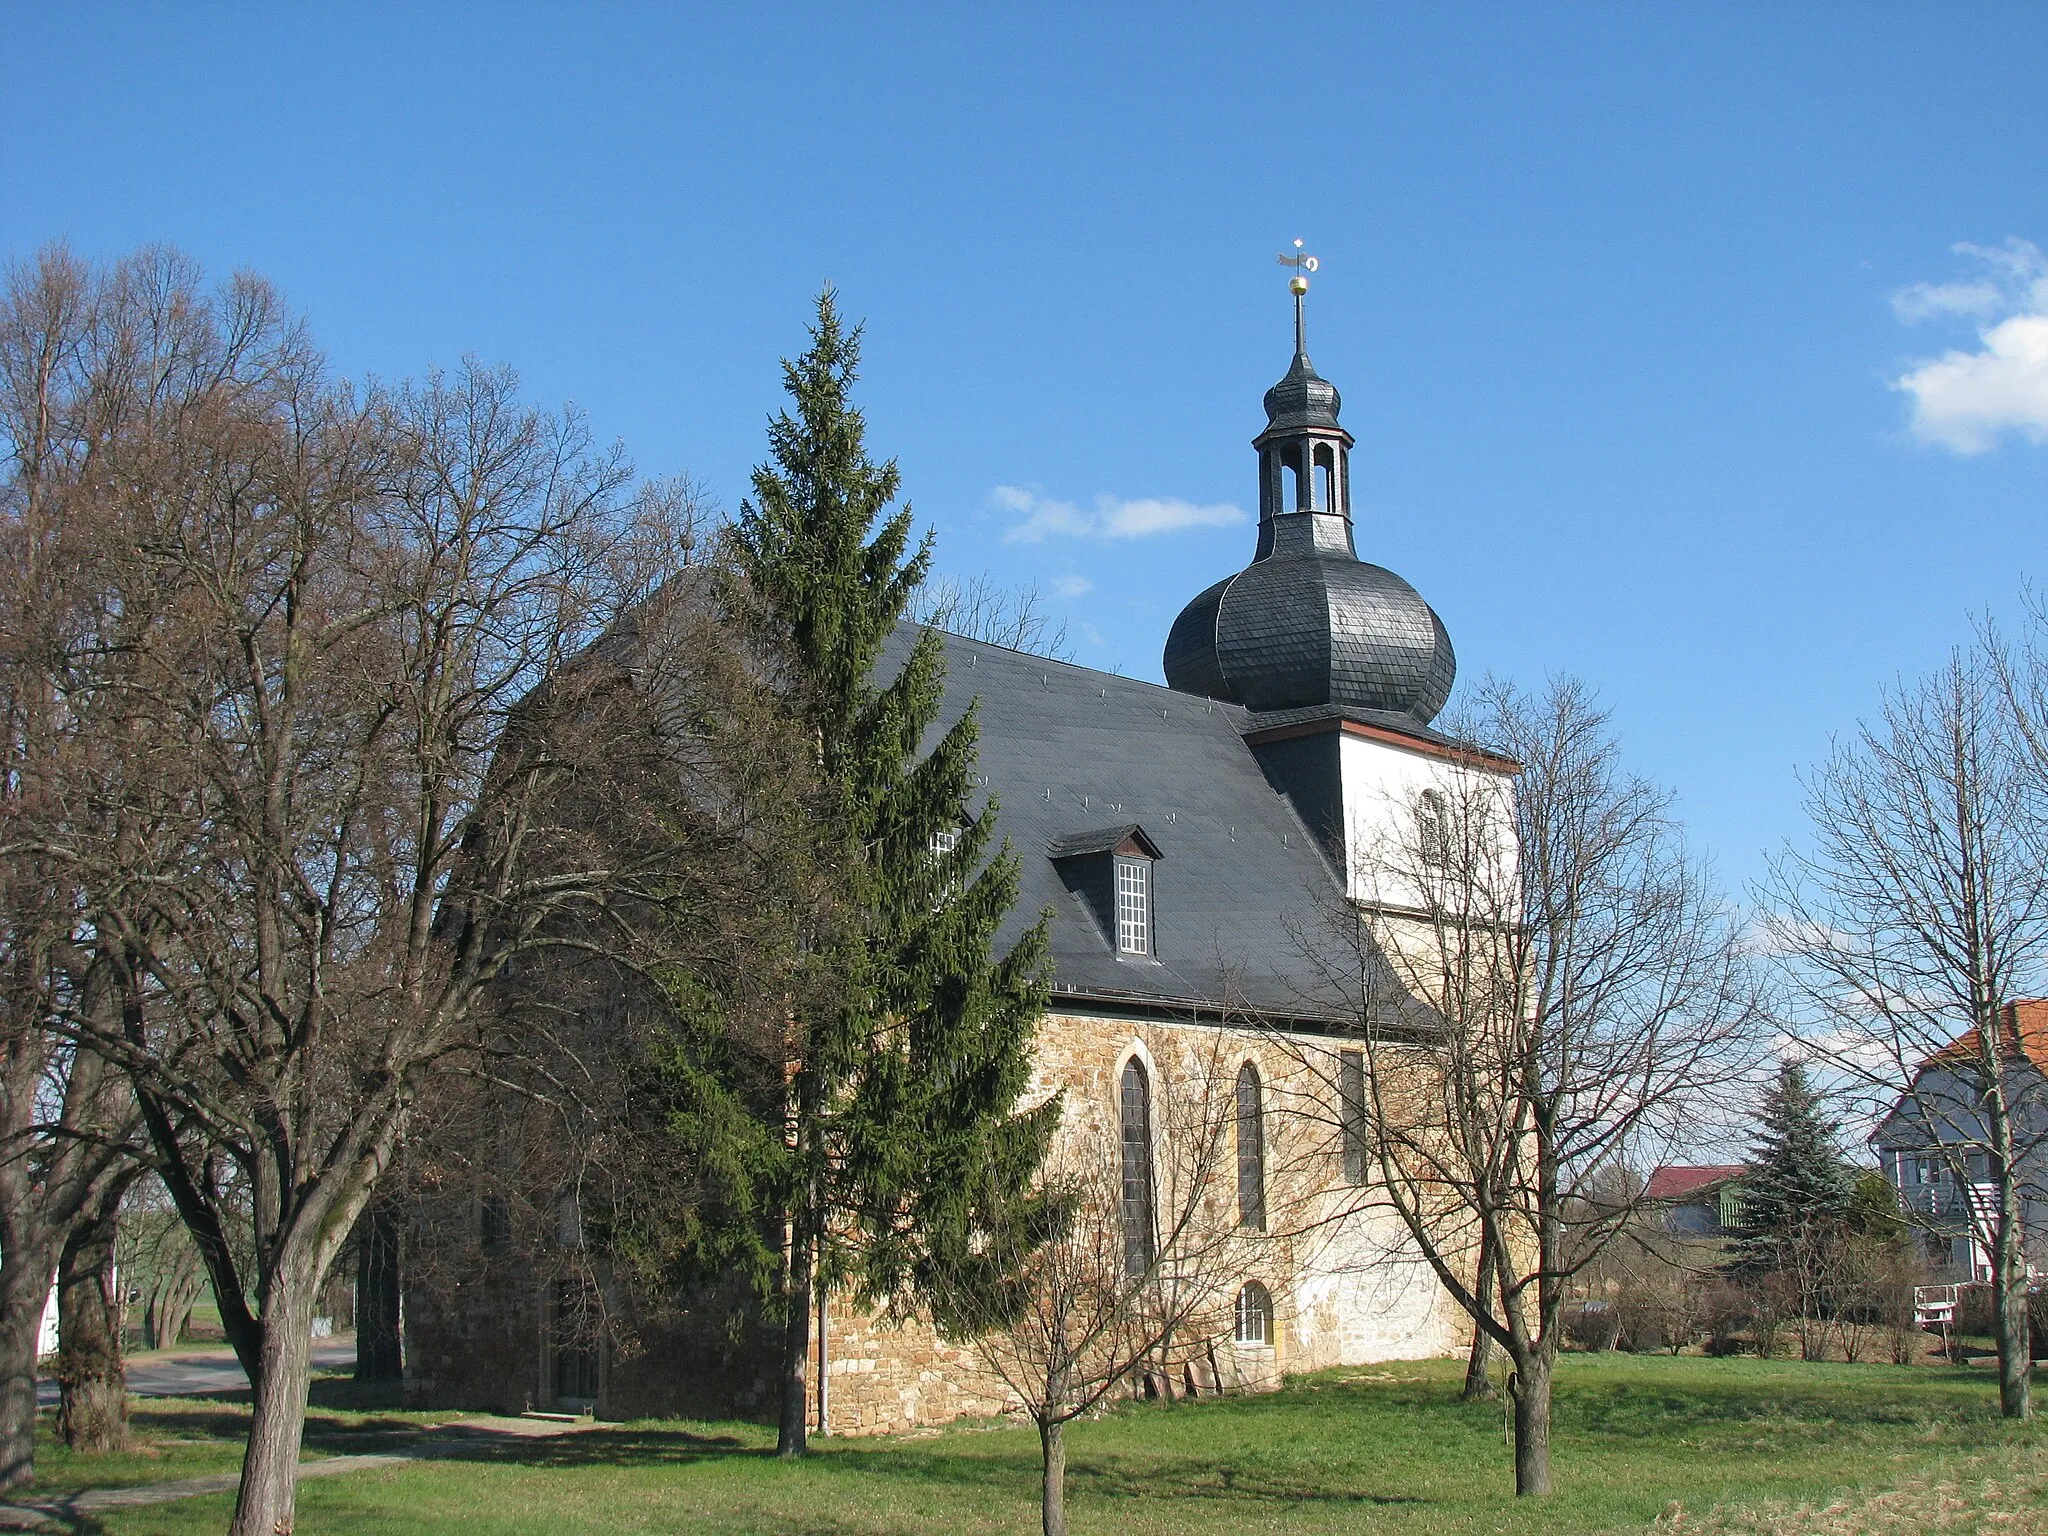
(1251, 1150)
(1324, 483)
(1254, 1314)
(1136, 1115)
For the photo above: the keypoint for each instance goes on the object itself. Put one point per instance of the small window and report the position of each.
(1134, 906)
(1135, 1115)
(494, 1224)
(1254, 1314)
(945, 842)
(1433, 829)
(1351, 1110)
(1251, 1150)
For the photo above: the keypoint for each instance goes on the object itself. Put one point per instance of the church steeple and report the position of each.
(1304, 455)
(1308, 625)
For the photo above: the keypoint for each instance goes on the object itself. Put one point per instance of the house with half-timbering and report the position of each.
(1188, 839)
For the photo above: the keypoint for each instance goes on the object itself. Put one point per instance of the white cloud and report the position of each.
(1112, 517)
(1962, 400)
(1073, 586)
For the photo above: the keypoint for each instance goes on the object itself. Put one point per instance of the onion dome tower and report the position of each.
(1308, 625)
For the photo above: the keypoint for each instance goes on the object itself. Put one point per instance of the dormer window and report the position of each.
(1134, 906)
(1109, 871)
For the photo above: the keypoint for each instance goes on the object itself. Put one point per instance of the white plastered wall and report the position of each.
(1382, 788)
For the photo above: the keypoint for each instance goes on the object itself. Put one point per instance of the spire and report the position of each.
(1304, 398)
(1298, 286)
(1304, 473)
(1308, 625)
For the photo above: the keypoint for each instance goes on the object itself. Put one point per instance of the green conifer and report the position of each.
(1874, 1208)
(1797, 1190)
(909, 1164)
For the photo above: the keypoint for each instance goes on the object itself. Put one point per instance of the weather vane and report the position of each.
(1298, 286)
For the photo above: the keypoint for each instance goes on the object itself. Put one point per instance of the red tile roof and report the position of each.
(1681, 1183)
(2026, 1031)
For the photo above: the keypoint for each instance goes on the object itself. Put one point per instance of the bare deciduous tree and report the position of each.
(1909, 927)
(155, 1253)
(92, 1404)
(982, 609)
(1548, 990)
(65, 1119)
(1137, 1286)
(321, 809)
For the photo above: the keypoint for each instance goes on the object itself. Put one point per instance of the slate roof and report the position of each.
(1103, 840)
(1294, 631)
(1071, 753)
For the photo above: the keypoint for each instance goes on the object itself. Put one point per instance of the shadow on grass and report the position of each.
(58, 1516)
(1111, 1475)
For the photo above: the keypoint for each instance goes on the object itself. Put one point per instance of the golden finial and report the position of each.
(1303, 265)
(1298, 286)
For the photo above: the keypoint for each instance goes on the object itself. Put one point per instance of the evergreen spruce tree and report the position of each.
(1798, 1189)
(908, 1164)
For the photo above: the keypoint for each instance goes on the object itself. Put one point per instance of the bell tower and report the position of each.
(1304, 455)
(1308, 625)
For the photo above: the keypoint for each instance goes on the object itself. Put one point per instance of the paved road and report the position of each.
(193, 1373)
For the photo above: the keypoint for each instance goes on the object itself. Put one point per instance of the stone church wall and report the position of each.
(1346, 1287)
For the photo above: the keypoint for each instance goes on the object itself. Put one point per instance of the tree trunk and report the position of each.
(92, 1412)
(1479, 1386)
(1478, 1381)
(1530, 1388)
(171, 1310)
(2015, 1336)
(24, 1287)
(379, 1347)
(270, 1468)
(1052, 1498)
(790, 1438)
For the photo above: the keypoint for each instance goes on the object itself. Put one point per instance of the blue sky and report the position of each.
(1651, 321)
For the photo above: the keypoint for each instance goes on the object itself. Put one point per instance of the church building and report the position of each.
(1192, 840)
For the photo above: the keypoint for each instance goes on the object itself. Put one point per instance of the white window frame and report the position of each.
(1133, 906)
(1254, 1308)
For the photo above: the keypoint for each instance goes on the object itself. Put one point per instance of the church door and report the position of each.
(576, 1329)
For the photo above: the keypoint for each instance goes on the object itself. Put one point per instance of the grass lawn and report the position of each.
(1738, 1445)
(196, 1437)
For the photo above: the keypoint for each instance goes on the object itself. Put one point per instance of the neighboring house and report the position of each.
(1187, 839)
(1930, 1146)
(1698, 1202)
